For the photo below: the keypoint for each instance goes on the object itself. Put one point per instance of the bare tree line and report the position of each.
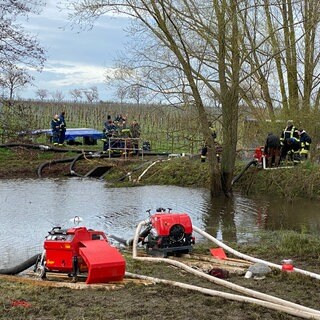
(91, 94)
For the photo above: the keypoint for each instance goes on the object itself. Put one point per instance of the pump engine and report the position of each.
(169, 233)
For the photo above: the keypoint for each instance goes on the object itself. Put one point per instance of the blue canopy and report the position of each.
(73, 133)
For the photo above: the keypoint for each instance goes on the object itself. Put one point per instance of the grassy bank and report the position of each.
(21, 299)
(300, 181)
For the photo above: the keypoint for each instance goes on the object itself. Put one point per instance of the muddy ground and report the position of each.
(22, 299)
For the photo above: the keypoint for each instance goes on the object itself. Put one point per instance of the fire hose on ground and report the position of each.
(258, 298)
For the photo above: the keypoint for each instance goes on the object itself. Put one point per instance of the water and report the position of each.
(30, 208)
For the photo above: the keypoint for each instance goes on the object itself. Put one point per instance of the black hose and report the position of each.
(48, 163)
(237, 177)
(84, 156)
(129, 242)
(20, 267)
(72, 171)
(118, 239)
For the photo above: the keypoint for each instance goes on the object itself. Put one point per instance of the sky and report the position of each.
(75, 59)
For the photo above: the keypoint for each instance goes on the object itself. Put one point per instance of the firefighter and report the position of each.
(294, 150)
(204, 149)
(305, 142)
(63, 128)
(135, 132)
(55, 128)
(109, 131)
(289, 132)
(272, 150)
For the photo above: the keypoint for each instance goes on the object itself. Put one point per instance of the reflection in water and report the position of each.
(30, 208)
(235, 219)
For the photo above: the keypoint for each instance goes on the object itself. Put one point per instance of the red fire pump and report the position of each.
(79, 251)
(168, 233)
(259, 154)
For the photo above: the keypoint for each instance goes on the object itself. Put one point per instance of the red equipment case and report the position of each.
(78, 250)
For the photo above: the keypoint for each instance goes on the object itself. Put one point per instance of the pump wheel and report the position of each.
(176, 233)
(41, 272)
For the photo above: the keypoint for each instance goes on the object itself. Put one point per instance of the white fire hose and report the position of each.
(256, 297)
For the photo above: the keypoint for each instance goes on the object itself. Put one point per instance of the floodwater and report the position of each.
(30, 208)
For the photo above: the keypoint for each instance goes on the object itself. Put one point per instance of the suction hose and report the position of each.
(20, 267)
(237, 177)
(282, 305)
(48, 163)
(249, 258)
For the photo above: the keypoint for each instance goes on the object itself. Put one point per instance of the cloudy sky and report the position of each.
(75, 59)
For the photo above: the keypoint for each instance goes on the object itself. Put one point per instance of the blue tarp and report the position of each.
(73, 133)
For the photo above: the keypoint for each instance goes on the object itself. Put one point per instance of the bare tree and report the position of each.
(57, 95)
(14, 78)
(18, 46)
(286, 66)
(42, 94)
(202, 41)
(91, 94)
(76, 94)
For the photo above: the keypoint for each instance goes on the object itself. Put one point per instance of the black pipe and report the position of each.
(72, 171)
(129, 242)
(21, 267)
(84, 156)
(47, 163)
(237, 177)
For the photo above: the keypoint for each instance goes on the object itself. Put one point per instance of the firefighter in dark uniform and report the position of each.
(289, 132)
(294, 150)
(109, 131)
(135, 132)
(55, 128)
(63, 128)
(204, 149)
(272, 150)
(305, 142)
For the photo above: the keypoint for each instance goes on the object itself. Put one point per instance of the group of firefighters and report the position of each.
(292, 145)
(117, 135)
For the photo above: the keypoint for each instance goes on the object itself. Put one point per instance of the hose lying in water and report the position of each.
(282, 305)
(20, 267)
(249, 258)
